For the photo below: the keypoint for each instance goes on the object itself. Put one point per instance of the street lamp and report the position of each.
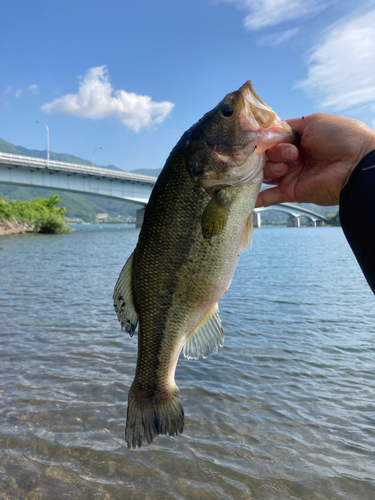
(36, 121)
(92, 156)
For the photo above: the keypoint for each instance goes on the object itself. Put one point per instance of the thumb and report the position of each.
(299, 124)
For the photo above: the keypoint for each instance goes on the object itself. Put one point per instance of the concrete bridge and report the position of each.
(133, 188)
(37, 172)
(295, 212)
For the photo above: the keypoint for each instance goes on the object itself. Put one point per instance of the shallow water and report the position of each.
(284, 411)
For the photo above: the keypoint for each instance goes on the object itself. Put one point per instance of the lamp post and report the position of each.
(36, 121)
(92, 156)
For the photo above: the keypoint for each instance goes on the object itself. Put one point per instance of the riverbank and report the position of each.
(38, 216)
(15, 227)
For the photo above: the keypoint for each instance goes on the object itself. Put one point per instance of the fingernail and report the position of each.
(288, 154)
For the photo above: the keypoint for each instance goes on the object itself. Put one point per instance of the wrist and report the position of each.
(370, 145)
(366, 143)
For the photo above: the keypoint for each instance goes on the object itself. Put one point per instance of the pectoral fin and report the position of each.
(207, 337)
(123, 299)
(215, 215)
(247, 237)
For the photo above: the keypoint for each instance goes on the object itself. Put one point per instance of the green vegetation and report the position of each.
(43, 213)
(86, 207)
(77, 205)
(334, 220)
(268, 222)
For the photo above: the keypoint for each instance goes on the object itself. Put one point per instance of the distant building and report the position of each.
(74, 220)
(101, 217)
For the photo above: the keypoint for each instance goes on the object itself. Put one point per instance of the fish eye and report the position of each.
(226, 110)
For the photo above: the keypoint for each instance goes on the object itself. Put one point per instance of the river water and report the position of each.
(284, 411)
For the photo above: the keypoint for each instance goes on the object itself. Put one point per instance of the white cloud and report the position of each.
(33, 88)
(17, 93)
(262, 13)
(96, 100)
(341, 69)
(277, 39)
(9, 90)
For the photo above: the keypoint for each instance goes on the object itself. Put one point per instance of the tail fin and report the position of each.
(147, 419)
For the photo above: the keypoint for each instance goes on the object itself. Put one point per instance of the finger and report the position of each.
(271, 196)
(282, 153)
(297, 124)
(272, 170)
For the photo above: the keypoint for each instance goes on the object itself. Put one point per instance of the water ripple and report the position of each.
(284, 411)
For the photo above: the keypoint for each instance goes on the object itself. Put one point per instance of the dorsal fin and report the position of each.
(123, 299)
(207, 337)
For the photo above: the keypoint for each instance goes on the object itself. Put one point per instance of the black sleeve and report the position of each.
(357, 215)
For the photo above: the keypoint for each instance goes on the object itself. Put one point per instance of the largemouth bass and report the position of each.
(196, 224)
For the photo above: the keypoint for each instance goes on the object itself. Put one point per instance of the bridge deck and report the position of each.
(15, 161)
(134, 188)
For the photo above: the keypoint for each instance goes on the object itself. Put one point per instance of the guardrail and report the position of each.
(20, 160)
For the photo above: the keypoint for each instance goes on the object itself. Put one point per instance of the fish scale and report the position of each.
(197, 222)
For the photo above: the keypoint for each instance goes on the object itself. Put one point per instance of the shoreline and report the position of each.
(15, 227)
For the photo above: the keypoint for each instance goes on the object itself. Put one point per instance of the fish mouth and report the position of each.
(263, 127)
(259, 127)
(278, 132)
(271, 128)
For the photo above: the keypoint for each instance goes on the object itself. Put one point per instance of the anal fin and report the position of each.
(123, 299)
(207, 337)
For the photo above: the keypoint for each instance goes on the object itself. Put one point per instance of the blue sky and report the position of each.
(131, 77)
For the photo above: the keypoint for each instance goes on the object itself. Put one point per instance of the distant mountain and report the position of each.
(321, 210)
(279, 216)
(152, 172)
(7, 147)
(77, 205)
(83, 206)
(274, 215)
(87, 206)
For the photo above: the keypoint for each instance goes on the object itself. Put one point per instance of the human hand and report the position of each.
(331, 146)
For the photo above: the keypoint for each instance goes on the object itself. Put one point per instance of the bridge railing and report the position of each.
(20, 160)
(292, 210)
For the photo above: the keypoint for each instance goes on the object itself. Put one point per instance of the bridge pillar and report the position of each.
(139, 217)
(257, 219)
(293, 221)
(320, 223)
(311, 223)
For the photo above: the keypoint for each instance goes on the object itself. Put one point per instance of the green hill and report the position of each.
(77, 205)
(7, 147)
(87, 206)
